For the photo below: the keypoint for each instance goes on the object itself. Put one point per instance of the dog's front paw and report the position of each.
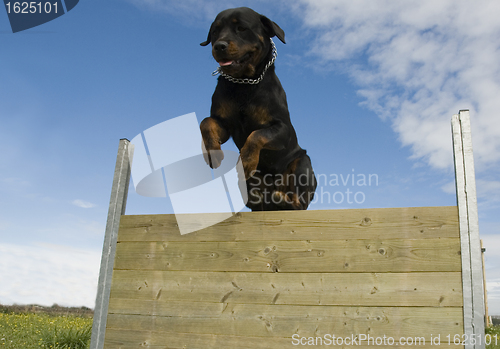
(213, 157)
(288, 201)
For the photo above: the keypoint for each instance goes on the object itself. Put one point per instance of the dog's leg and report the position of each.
(296, 188)
(214, 134)
(256, 188)
(306, 181)
(272, 138)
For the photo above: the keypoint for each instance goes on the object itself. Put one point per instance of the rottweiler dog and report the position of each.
(249, 105)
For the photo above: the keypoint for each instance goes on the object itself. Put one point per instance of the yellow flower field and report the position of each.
(30, 330)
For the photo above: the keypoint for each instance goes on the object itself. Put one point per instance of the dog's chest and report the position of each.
(246, 114)
(246, 119)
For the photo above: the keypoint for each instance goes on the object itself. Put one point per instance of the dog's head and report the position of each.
(240, 40)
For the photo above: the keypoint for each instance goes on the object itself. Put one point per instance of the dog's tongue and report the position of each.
(225, 63)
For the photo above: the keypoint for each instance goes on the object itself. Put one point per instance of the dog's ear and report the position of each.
(209, 38)
(273, 29)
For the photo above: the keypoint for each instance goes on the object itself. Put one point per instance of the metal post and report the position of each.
(117, 204)
(472, 276)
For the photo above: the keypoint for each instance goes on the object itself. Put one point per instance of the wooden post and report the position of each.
(488, 322)
(472, 277)
(119, 191)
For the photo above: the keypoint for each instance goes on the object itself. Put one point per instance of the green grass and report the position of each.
(494, 331)
(30, 331)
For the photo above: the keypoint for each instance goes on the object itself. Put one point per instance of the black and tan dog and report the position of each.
(249, 105)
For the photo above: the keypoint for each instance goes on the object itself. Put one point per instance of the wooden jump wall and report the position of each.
(385, 278)
(257, 279)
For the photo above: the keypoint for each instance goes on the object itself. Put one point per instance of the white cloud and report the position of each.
(48, 274)
(417, 64)
(83, 204)
(493, 288)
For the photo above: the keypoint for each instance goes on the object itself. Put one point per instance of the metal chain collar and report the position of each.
(246, 80)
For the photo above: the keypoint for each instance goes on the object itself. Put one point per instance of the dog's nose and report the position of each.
(220, 46)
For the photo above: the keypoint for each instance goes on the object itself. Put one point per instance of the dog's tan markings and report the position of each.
(251, 150)
(261, 38)
(293, 166)
(213, 133)
(233, 49)
(285, 193)
(292, 184)
(260, 115)
(286, 199)
(256, 57)
(225, 110)
(288, 180)
(213, 136)
(234, 20)
(248, 48)
(249, 71)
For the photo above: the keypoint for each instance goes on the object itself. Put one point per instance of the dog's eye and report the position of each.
(241, 29)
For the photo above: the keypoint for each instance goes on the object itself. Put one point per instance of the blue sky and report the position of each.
(371, 87)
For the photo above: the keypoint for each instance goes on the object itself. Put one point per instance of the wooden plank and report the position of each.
(131, 288)
(324, 225)
(132, 339)
(293, 256)
(256, 320)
